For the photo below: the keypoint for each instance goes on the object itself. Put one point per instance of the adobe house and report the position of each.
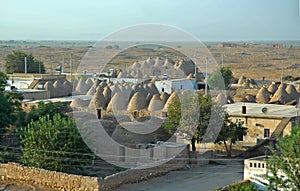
(264, 121)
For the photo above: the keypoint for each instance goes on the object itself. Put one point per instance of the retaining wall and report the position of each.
(62, 181)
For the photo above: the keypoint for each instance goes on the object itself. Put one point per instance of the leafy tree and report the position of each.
(283, 172)
(244, 186)
(231, 132)
(10, 105)
(14, 62)
(196, 112)
(54, 144)
(214, 80)
(44, 109)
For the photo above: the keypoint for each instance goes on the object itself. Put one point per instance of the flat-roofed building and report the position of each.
(264, 121)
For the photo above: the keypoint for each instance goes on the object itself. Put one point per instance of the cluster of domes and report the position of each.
(58, 88)
(123, 97)
(157, 67)
(279, 94)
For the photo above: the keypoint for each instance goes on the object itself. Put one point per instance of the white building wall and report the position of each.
(178, 84)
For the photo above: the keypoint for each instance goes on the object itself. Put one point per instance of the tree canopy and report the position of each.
(222, 73)
(231, 132)
(54, 144)
(193, 118)
(10, 105)
(283, 170)
(14, 63)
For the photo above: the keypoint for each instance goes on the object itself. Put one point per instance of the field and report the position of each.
(253, 61)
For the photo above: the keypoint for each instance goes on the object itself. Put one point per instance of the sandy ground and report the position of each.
(203, 178)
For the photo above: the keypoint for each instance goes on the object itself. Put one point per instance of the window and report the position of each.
(250, 164)
(266, 133)
(263, 165)
(254, 165)
(258, 165)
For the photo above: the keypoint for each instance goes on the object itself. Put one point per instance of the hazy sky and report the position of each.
(205, 19)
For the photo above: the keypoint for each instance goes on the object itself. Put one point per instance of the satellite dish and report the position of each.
(264, 110)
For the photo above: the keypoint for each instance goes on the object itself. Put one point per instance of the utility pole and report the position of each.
(25, 63)
(70, 67)
(206, 76)
(282, 71)
(63, 62)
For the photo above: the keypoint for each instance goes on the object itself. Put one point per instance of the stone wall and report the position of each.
(50, 179)
(61, 181)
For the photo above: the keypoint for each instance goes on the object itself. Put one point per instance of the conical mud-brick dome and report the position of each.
(98, 101)
(74, 84)
(89, 83)
(272, 88)
(155, 104)
(81, 87)
(91, 91)
(137, 102)
(164, 97)
(221, 99)
(58, 89)
(49, 86)
(117, 103)
(77, 103)
(68, 87)
(280, 96)
(171, 101)
(128, 138)
(292, 92)
(263, 96)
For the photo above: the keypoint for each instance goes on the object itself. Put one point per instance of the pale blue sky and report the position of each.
(210, 20)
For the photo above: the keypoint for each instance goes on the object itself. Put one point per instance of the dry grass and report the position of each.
(252, 62)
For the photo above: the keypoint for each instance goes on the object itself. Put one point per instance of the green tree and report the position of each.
(283, 170)
(193, 117)
(44, 109)
(230, 133)
(244, 186)
(222, 73)
(54, 144)
(10, 105)
(14, 63)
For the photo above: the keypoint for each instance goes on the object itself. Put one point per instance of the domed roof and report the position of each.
(117, 103)
(59, 91)
(127, 136)
(263, 96)
(292, 92)
(272, 88)
(137, 102)
(79, 103)
(91, 91)
(172, 99)
(155, 104)
(98, 101)
(280, 96)
(164, 97)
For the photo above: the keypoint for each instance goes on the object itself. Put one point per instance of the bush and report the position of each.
(54, 144)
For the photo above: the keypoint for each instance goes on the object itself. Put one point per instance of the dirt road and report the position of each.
(203, 178)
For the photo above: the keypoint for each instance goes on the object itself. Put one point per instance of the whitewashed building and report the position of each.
(175, 84)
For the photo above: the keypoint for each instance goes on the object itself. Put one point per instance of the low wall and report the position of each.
(50, 179)
(62, 181)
